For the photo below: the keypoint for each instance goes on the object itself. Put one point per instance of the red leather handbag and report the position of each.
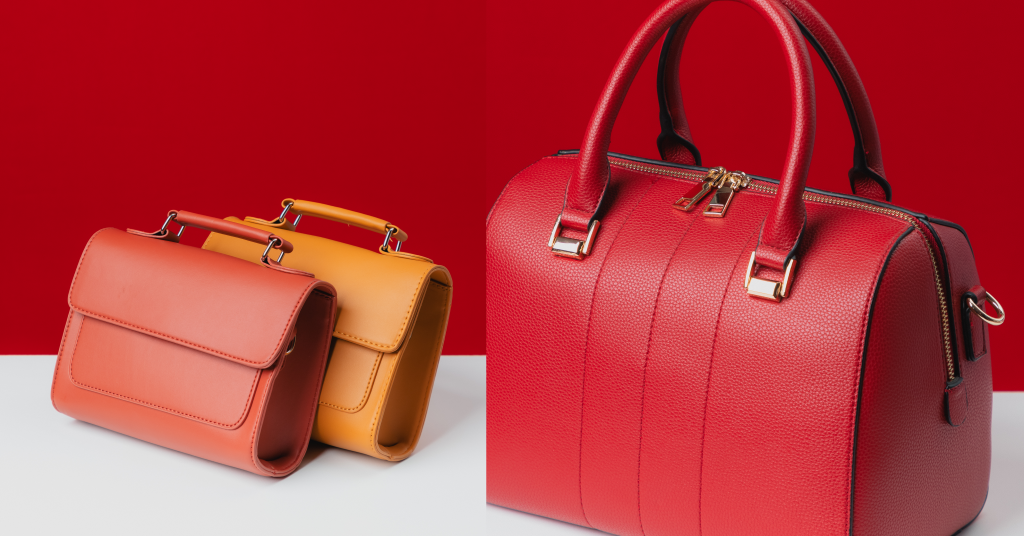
(195, 350)
(698, 351)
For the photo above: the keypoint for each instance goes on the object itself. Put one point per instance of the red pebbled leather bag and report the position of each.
(698, 351)
(195, 350)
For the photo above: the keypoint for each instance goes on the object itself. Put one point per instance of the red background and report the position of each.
(113, 112)
(944, 82)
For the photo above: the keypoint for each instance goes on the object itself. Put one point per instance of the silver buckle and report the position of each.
(569, 247)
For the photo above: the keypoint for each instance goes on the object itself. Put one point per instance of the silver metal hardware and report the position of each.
(270, 245)
(387, 238)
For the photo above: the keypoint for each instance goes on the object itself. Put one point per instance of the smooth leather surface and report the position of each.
(785, 222)
(867, 165)
(184, 348)
(244, 232)
(338, 214)
(393, 312)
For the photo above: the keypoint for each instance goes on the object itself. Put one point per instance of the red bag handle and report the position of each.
(230, 228)
(867, 176)
(781, 230)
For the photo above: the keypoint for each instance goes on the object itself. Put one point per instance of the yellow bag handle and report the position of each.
(341, 215)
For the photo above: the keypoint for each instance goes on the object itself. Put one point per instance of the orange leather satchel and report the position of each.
(193, 350)
(393, 312)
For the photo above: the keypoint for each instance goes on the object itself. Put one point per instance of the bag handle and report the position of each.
(867, 176)
(363, 221)
(781, 230)
(229, 228)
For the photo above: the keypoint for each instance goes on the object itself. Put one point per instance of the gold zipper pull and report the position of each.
(727, 189)
(698, 192)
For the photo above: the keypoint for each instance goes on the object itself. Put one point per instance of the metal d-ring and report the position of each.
(270, 245)
(170, 216)
(989, 319)
(291, 345)
(387, 238)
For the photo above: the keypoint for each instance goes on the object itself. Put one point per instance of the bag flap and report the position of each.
(209, 302)
(378, 295)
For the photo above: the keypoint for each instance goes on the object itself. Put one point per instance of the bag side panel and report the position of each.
(915, 473)
(284, 435)
(401, 421)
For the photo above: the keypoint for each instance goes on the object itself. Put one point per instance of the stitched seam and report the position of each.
(366, 391)
(586, 343)
(60, 353)
(71, 374)
(401, 328)
(385, 390)
(199, 346)
(707, 390)
(266, 397)
(647, 356)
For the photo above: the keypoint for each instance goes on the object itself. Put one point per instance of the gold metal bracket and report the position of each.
(767, 289)
(568, 247)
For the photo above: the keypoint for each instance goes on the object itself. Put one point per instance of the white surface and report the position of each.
(1003, 514)
(62, 476)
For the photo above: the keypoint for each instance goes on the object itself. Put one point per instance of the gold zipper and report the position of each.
(717, 178)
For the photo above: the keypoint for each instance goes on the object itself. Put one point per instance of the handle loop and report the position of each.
(782, 227)
(675, 143)
(340, 215)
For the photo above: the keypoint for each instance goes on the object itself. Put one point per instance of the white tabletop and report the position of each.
(1003, 514)
(63, 476)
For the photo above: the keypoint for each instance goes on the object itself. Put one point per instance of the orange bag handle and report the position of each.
(350, 217)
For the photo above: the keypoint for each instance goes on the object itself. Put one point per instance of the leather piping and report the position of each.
(863, 368)
(949, 297)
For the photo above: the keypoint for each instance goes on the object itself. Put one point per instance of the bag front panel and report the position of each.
(716, 416)
(535, 349)
(188, 349)
(232, 447)
(162, 375)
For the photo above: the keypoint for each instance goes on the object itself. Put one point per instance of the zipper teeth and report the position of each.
(943, 306)
(659, 171)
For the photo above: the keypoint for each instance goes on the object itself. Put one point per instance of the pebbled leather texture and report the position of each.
(868, 173)
(642, 390)
(392, 316)
(187, 349)
(916, 474)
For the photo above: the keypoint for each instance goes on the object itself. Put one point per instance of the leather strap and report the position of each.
(782, 227)
(341, 215)
(230, 228)
(675, 143)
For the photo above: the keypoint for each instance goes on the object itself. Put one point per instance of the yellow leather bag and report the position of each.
(392, 315)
